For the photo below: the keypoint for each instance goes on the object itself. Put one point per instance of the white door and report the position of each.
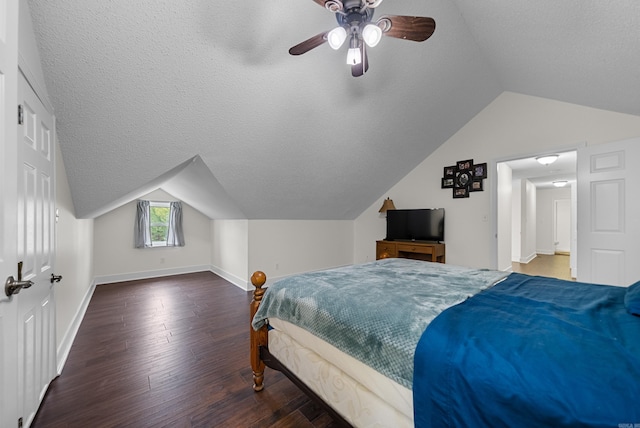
(562, 225)
(608, 206)
(8, 210)
(36, 250)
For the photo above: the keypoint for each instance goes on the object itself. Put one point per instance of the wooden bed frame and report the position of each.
(261, 357)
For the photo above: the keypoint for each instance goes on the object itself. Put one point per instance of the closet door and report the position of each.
(608, 203)
(36, 252)
(8, 209)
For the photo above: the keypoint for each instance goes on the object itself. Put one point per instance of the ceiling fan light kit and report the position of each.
(336, 37)
(355, 21)
(371, 34)
(354, 56)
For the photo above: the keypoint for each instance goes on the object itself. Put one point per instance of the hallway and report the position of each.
(556, 266)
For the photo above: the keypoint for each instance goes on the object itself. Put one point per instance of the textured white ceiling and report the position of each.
(142, 87)
(580, 51)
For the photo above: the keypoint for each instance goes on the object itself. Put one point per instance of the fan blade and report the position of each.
(416, 28)
(309, 44)
(358, 70)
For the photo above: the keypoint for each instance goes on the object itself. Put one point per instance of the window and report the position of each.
(158, 224)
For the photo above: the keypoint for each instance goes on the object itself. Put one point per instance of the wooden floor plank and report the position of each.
(173, 352)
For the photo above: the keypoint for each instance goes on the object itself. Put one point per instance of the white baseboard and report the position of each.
(242, 283)
(234, 279)
(528, 258)
(132, 276)
(70, 335)
(546, 252)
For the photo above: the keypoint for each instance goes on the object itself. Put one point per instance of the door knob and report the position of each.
(12, 286)
(55, 278)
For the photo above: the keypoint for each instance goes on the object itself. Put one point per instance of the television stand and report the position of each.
(417, 250)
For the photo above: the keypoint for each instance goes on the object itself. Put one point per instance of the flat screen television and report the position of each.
(415, 225)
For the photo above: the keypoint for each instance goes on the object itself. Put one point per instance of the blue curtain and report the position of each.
(175, 236)
(142, 231)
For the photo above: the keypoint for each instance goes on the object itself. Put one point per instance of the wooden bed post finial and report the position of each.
(257, 338)
(258, 279)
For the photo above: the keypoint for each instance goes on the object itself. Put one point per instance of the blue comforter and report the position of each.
(531, 352)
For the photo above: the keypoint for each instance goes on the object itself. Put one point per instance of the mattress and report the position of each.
(363, 396)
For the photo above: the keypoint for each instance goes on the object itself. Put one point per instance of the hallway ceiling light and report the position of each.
(560, 183)
(547, 159)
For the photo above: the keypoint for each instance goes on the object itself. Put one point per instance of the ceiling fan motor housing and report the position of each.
(351, 4)
(354, 18)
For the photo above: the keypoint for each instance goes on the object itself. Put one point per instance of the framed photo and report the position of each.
(465, 165)
(476, 186)
(449, 171)
(461, 192)
(480, 170)
(447, 182)
(463, 178)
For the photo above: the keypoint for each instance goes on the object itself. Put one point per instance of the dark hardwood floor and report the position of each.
(170, 352)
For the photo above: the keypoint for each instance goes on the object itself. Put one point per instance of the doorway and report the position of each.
(535, 215)
(562, 226)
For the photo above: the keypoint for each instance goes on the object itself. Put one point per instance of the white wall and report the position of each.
(116, 258)
(371, 226)
(278, 247)
(516, 220)
(74, 261)
(284, 247)
(528, 251)
(524, 220)
(573, 258)
(545, 224)
(504, 197)
(230, 250)
(513, 125)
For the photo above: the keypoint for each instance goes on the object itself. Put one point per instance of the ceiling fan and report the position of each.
(355, 23)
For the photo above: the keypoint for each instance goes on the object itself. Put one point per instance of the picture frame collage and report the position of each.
(464, 177)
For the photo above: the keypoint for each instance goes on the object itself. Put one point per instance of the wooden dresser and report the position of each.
(427, 251)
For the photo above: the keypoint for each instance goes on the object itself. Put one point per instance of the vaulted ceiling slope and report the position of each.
(142, 87)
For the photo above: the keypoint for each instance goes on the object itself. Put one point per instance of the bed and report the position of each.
(401, 342)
